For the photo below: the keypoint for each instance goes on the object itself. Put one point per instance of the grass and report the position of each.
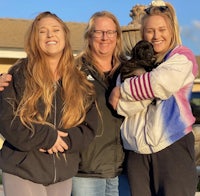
(198, 186)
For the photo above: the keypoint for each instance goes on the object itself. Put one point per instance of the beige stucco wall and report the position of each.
(5, 64)
(1, 141)
(4, 68)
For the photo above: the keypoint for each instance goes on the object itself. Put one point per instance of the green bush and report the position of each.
(198, 186)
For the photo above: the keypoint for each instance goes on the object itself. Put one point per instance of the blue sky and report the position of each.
(188, 13)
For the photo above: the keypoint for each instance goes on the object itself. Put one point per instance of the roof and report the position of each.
(13, 32)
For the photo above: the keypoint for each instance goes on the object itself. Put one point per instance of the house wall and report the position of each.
(6, 63)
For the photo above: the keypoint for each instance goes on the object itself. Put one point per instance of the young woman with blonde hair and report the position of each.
(47, 115)
(161, 158)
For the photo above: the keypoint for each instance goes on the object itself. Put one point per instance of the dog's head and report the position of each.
(143, 50)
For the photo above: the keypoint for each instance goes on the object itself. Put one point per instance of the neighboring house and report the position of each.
(12, 34)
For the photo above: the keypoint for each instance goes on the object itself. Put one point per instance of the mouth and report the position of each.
(157, 42)
(51, 42)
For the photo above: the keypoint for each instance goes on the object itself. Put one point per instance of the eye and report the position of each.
(42, 31)
(149, 31)
(162, 29)
(110, 32)
(56, 30)
(97, 33)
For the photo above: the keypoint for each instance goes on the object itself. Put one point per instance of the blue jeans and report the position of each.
(82, 186)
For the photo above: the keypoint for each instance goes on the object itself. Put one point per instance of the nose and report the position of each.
(104, 35)
(49, 34)
(156, 34)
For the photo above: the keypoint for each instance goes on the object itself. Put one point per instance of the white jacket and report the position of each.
(148, 127)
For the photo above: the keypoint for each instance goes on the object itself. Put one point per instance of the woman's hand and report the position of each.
(114, 97)
(4, 80)
(59, 146)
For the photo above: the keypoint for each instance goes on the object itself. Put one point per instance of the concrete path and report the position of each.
(1, 190)
(123, 188)
(2, 194)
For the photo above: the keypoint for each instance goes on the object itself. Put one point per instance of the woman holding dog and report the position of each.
(162, 160)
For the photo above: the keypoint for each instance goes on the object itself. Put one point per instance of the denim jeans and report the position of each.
(82, 186)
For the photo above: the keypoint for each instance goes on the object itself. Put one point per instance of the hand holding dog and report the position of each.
(114, 97)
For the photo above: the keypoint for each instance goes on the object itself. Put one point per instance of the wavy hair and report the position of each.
(169, 15)
(77, 93)
(118, 54)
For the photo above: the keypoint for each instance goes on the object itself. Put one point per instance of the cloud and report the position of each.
(196, 24)
(190, 36)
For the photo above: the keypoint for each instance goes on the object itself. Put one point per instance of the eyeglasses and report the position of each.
(160, 8)
(100, 33)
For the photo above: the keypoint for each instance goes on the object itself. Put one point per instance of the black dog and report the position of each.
(142, 60)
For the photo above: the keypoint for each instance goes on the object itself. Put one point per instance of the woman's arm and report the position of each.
(179, 70)
(80, 137)
(11, 127)
(130, 108)
(124, 107)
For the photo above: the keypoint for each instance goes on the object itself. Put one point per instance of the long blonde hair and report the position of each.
(77, 92)
(168, 13)
(118, 54)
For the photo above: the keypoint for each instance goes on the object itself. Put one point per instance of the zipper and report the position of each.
(55, 123)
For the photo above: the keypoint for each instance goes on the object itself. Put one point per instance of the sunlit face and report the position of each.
(158, 33)
(103, 46)
(51, 36)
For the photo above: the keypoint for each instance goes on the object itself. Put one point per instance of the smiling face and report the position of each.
(158, 33)
(51, 37)
(104, 45)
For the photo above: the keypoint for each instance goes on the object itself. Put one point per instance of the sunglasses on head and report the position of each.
(160, 8)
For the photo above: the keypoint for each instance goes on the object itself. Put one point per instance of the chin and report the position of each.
(158, 50)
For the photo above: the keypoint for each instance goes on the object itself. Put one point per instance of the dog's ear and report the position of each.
(148, 51)
(140, 50)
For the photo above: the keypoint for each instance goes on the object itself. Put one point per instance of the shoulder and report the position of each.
(19, 67)
(181, 60)
(183, 53)
(182, 50)
(18, 73)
